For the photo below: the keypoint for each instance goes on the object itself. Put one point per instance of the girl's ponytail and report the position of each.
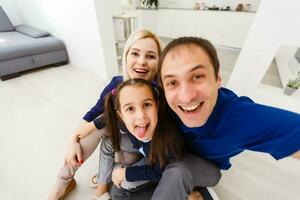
(112, 122)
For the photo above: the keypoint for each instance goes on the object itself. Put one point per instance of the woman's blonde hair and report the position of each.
(137, 35)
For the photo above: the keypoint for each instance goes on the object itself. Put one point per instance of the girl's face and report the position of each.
(138, 110)
(142, 59)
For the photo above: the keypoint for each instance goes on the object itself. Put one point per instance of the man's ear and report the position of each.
(219, 79)
(120, 115)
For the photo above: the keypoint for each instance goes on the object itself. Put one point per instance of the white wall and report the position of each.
(190, 3)
(77, 24)
(10, 10)
(276, 22)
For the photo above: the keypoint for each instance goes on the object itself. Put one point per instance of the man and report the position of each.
(216, 123)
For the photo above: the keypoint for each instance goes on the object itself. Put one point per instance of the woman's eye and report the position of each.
(134, 53)
(151, 56)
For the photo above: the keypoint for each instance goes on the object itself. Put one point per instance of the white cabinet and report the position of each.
(220, 27)
(236, 28)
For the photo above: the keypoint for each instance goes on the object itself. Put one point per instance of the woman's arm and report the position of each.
(83, 130)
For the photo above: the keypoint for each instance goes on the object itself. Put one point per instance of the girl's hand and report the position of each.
(118, 175)
(74, 154)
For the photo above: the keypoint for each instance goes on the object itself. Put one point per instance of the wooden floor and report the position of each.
(39, 111)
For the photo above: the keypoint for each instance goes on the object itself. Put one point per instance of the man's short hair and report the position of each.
(186, 41)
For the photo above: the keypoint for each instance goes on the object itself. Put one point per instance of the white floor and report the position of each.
(39, 111)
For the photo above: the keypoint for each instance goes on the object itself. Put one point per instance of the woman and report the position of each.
(140, 59)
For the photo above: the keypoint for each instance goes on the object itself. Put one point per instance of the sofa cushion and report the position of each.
(5, 24)
(15, 44)
(32, 32)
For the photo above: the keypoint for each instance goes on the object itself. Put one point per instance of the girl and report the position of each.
(140, 58)
(154, 136)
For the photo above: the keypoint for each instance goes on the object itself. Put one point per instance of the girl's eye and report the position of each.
(129, 109)
(147, 105)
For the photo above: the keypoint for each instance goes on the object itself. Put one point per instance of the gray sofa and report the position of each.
(24, 47)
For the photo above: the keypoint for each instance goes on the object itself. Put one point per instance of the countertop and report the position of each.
(169, 8)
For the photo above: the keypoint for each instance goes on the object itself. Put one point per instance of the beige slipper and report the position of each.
(93, 181)
(104, 196)
(68, 189)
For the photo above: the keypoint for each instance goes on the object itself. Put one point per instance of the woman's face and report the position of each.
(138, 110)
(142, 59)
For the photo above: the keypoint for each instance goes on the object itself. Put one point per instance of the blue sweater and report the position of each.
(98, 109)
(237, 124)
(145, 172)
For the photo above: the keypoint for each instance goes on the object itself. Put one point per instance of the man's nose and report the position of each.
(187, 93)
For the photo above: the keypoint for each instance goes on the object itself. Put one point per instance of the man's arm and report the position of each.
(296, 155)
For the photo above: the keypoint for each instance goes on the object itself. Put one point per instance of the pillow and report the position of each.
(5, 24)
(32, 32)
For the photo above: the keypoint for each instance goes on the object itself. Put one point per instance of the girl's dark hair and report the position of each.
(199, 42)
(167, 140)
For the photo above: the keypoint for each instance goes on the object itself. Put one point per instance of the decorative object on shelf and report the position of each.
(292, 85)
(247, 7)
(203, 6)
(196, 6)
(214, 7)
(225, 8)
(150, 3)
(239, 7)
(129, 4)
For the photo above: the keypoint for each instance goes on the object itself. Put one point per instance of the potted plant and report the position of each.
(150, 3)
(292, 85)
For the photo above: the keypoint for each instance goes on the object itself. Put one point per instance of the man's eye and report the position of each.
(171, 84)
(198, 76)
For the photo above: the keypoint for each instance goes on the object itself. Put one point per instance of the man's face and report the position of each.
(190, 85)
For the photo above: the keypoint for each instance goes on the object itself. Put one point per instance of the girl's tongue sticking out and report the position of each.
(141, 131)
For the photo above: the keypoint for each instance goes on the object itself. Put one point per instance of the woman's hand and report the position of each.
(74, 154)
(118, 175)
(85, 129)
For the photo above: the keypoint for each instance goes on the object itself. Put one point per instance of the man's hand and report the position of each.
(118, 175)
(296, 155)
